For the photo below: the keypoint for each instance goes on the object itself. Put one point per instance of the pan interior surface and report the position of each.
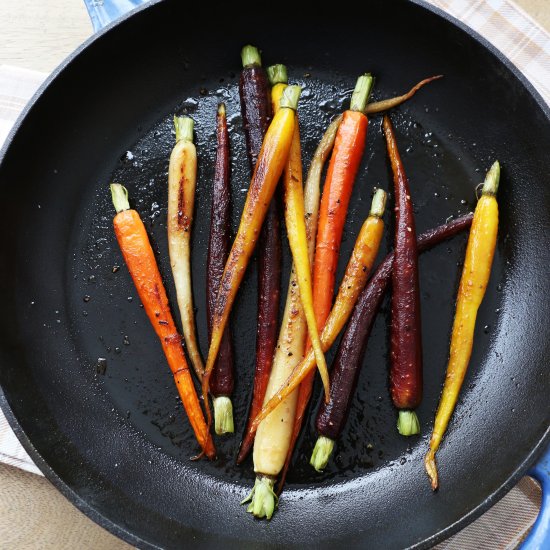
(114, 434)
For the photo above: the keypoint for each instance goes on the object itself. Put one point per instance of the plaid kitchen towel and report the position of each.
(527, 45)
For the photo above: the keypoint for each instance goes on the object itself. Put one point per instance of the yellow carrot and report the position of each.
(473, 283)
(296, 224)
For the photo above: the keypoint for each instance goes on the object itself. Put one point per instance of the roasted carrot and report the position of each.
(356, 275)
(140, 260)
(473, 283)
(296, 224)
(387, 104)
(344, 164)
(332, 417)
(405, 335)
(290, 328)
(182, 179)
(269, 168)
(256, 114)
(222, 381)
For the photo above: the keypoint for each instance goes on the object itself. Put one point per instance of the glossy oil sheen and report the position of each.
(118, 443)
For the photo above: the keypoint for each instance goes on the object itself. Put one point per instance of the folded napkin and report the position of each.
(527, 45)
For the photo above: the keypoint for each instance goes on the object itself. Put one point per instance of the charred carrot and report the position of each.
(291, 330)
(356, 275)
(332, 417)
(222, 381)
(182, 179)
(473, 283)
(405, 336)
(256, 114)
(269, 168)
(296, 224)
(140, 260)
(344, 164)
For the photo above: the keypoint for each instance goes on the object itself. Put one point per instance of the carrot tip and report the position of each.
(321, 453)
(223, 415)
(407, 423)
(262, 498)
(431, 469)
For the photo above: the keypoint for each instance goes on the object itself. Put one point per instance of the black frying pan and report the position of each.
(118, 444)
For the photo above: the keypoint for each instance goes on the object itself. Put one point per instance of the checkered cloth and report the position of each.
(527, 45)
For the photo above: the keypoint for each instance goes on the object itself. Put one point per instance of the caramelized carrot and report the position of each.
(344, 164)
(406, 339)
(182, 179)
(256, 114)
(290, 333)
(355, 278)
(296, 224)
(332, 417)
(473, 284)
(140, 260)
(222, 381)
(271, 161)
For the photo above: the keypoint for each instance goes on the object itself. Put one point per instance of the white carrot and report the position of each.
(182, 178)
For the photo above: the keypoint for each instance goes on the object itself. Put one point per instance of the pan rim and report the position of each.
(93, 512)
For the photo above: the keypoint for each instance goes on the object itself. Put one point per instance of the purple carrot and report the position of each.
(332, 416)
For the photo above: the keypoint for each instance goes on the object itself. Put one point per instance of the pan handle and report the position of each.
(103, 12)
(539, 536)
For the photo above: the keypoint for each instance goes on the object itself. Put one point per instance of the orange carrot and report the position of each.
(343, 167)
(140, 260)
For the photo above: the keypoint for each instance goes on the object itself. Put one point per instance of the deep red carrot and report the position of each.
(332, 416)
(222, 380)
(405, 336)
(256, 114)
(344, 164)
(142, 265)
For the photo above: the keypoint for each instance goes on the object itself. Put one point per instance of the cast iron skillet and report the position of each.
(116, 442)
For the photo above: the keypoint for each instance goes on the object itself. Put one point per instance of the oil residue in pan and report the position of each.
(443, 172)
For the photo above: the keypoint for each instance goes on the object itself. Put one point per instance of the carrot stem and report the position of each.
(250, 56)
(184, 128)
(361, 93)
(277, 74)
(262, 498)
(119, 194)
(321, 452)
(332, 417)
(407, 423)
